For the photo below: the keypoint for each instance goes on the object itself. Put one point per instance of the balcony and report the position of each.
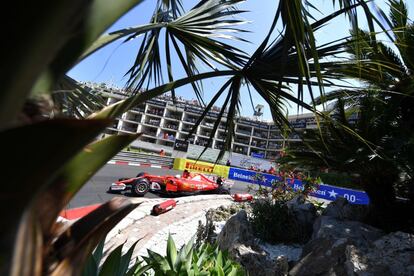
(186, 128)
(133, 117)
(154, 111)
(275, 135)
(219, 146)
(170, 126)
(130, 127)
(202, 142)
(243, 131)
(190, 120)
(274, 146)
(260, 134)
(241, 141)
(174, 116)
(205, 133)
(149, 131)
(153, 122)
(240, 149)
(208, 124)
(258, 144)
(167, 136)
(139, 109)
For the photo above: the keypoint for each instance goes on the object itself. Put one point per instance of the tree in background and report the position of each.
(370, 136)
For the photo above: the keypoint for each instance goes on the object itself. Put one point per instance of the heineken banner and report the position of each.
(325, 191)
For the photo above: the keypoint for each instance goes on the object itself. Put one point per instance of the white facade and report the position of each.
(161, 122)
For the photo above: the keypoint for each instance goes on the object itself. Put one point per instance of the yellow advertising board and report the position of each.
(201, 167)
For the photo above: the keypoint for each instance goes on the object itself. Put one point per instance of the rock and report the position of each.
(392, 254)
(326, 253)
(304, 212)
(332, 228)
(237, 229)
(282, 265)
(324, 257)
(342, 209)
(237, 238)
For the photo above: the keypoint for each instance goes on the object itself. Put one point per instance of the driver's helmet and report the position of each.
(186, 173)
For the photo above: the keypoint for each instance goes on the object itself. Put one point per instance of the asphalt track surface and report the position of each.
(95, 190)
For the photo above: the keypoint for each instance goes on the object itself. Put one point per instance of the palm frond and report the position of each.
(72, 100)
(197, 31)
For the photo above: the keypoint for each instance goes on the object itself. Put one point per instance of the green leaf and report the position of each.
(157, 262)
(76, 173)
(171, 252)
(111, 266)
(94, 19)
(219, 259)
(106, 39)
(38, 144)
(92, 264)
(122, 106)
(76, 243)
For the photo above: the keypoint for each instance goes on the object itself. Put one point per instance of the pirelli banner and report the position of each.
(201, 167)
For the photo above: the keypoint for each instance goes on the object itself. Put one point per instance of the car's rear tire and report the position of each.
(223, 191)
(140, 187)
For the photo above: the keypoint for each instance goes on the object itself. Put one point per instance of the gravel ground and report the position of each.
(181, 231)
(152, 231)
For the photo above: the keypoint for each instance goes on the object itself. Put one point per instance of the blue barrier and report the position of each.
(325, 191)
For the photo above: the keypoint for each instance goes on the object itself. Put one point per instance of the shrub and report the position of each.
(206, 233)
(339, 179)
(271, 218)
(114, 264)
(192, 260)
(273, 222)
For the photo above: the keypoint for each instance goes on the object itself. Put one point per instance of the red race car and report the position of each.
(187, 183)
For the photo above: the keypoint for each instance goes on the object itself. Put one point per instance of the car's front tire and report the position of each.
(140, 187)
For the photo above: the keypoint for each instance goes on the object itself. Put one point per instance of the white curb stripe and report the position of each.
(111, 162)
(156, 166)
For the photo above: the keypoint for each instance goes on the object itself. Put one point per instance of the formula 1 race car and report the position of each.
(187, 183)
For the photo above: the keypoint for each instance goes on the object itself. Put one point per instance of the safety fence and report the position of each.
(143, 158)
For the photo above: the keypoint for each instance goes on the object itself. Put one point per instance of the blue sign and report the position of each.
(257, 155)
(325, 191)
(252, 177)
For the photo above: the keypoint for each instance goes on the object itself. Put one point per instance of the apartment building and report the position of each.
(163, 122)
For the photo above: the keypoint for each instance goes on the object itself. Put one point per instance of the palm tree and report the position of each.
(379, 156)
(292, 58)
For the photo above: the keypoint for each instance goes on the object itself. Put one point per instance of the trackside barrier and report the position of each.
(201, 167)
(325, 191)
(144, 158)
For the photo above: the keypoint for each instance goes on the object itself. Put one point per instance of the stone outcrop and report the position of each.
(392, 254)
(325, 254)
(237, 238)
(340, 244)
(304, 212)
(342, 209)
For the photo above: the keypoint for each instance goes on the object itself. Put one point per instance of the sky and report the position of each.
(110, 64)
